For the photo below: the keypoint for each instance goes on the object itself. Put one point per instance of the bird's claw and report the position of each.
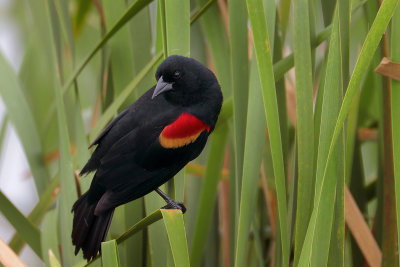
(175, 205)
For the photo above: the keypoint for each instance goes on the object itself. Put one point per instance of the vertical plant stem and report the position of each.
(264, 63)
(395, 55)
(305, 122)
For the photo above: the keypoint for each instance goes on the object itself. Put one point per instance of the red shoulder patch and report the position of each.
(185, 130)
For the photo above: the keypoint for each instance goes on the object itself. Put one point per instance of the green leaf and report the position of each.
(80, 16)
(173, 220)
(53, 261)
(240, 80)
(131, 11)
(254, 144)
(177, 19)
(49, 238)
(158, 248)
(328, 8)
(39, 211)
(21, 117)
(284, 11)
(330, 109)
(23, 226)
(120, 47)
(67, 182)
(218, 44)
(142, 46)
(61, 7)
(3, 129)
(265, 68)
(141, 225)
(305, 121)
(33, 76)
(371, 43)
(116, 104)
(109, 254)
(336, 252)
(395, 56)
(68, 193)
(285, 64)
(208, 193)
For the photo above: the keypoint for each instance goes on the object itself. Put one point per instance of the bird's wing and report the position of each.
(124, 122)
(160, 142)
(108, 128)
(121, 126)
(138, 162)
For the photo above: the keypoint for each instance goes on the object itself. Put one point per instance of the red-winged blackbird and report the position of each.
(146, 145)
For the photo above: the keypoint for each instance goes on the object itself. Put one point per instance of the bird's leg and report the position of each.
(171, 204)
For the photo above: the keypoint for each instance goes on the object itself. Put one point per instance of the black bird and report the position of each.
(146, 145)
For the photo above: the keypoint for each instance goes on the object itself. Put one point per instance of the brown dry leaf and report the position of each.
(361, 232)
(389, 68)
(291, 102)
(367, 134)
(8, 257)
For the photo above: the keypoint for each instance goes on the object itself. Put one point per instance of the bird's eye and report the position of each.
(177, 74)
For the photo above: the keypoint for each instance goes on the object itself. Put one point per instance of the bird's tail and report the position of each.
(89, 230)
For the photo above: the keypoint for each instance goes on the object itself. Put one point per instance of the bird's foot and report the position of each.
(175, 205)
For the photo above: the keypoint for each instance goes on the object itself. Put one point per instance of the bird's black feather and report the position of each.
(129, 159)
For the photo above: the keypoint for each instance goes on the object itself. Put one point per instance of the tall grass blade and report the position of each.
(371, 43)
(53, 261)
(336, 252)
(131, 11)
(218, 44)
(254, 144)
(395, 56)
(173, 220)
(21, 117)
(142, 45)
(3, 128)
(158, 248)
(116, 104)
(305, 121)
(217, 41)
(264, 62)
(68, 193)
(109, 253)
(330, 109)
(284, 11)
(240, 80)
(23, 226)
(177, 18)
(39, 211)
(285, 64)
(49, 237)
(208, 194)
(67, 182)
(120, 47)
(141, 225)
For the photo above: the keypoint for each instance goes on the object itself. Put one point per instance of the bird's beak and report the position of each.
(161, 87)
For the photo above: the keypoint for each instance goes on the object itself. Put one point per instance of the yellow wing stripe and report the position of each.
(177, 142)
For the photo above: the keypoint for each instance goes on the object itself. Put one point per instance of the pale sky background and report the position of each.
(15, 180)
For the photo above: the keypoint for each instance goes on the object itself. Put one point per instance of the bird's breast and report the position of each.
(183, 131)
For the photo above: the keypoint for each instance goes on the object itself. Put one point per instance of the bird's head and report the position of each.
(183, 79)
